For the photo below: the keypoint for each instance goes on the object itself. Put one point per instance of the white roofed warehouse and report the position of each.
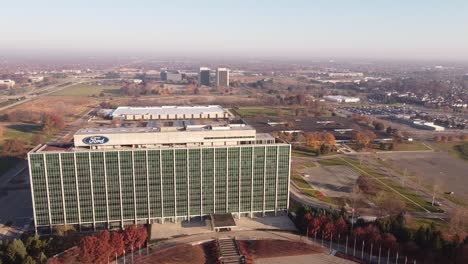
(170, 112)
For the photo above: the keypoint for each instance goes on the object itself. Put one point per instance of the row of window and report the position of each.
(102, 186)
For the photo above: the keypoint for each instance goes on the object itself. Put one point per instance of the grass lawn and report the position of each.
(264, 111)
(384, 184)
(455, 149)
(87, 90)
(415, 223)
(304, 154)
(414, 146)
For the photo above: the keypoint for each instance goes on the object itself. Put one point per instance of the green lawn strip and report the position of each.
(299, 153)
(299, 181)
(416, 222)
(455, 149)
(86, 90)
(264, 111)
(414, 146)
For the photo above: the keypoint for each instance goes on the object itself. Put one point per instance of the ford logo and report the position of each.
(95, 140)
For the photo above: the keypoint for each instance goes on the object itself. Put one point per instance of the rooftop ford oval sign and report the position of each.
(95, 140)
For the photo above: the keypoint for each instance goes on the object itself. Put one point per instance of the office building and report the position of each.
(7, 83)
(341, 99)
(222, 77)
(171, 76)
(168, 171)
(204, 76)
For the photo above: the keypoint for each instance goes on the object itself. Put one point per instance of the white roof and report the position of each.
(168, 110)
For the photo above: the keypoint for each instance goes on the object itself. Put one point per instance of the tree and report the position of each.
(51, 123)
(329, 139)
(378, 125)
(363, 139)
(88, 247)
(437, 138)
(389, 241)
(131, 237)
(14, 148)
(117, 243)
(29, 260)
(329, 230)
(15, 251)
(340, 226)
(103, 248)
(313, 140)
(390, 204)
(62, 230)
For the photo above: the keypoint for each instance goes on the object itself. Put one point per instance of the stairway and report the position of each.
(229, 252)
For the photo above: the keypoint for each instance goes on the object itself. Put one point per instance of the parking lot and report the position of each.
(333, 181)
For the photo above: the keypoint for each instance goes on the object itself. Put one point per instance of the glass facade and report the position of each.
(135, 185)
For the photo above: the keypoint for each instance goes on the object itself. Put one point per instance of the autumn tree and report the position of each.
(88, 249)
(437, 138)
(52, 123)
(135, 236)
(103, 248)
(340, 226)
(14, 148)
(313, 140)
(117, 243)
(363, 139)
(328, 139)
(390, 204)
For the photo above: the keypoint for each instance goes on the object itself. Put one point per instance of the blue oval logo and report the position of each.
(95, 140)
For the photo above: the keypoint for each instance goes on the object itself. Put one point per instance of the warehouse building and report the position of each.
(170, 112)
(111, 177)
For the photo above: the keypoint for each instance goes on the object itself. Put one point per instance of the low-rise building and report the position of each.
(341, 99)
(7, 83)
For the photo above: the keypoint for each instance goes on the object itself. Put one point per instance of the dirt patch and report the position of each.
(70, 107)
(278, 248)
(180, 254)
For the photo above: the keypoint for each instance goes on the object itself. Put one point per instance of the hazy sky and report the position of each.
(411, 29)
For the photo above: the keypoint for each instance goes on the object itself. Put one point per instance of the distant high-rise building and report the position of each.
(222, 77)
(204, 76)
(163, 75)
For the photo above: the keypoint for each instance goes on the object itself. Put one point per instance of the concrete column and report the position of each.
(134, 188)
(47, 191)
(92, 190)
(175, 184)
(77, 191)
(252, 180)
(161, 186)
(147, 186)
(240, 181)
(105, 187)
(63, 193)
(188, 184)
(227, 179)
(201, 183)
(214, 180)
(264, 178)
(276, 180)
(120, 190)
(31, 183)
